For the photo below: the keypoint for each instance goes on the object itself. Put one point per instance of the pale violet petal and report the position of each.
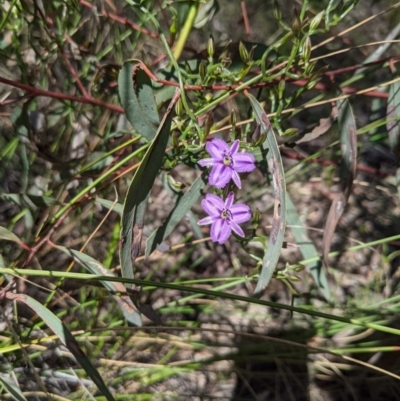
(229, 200)
(235, 147)
(237, 229)
(220, 231)
(243, 162)
(213, 205)
(206, 221)
(220, 175)
(217, 148)
(240, 213)
(236, 179)
(206, 162)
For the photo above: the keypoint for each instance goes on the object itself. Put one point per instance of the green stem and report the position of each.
(187, 28)
(212, 293)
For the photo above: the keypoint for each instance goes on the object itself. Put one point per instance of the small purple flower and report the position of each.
(224, 217)
(226, 163)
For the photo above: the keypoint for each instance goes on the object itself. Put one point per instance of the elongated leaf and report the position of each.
(63, 333)
(307, 247)
(275, 166)
(126, 304)
(138, 193)
(138, 101)
(182, 207)
(393, 126)
(348, 165)
(12, 388)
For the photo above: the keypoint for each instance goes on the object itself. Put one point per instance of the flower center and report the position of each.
(226, 214)
(227, 160)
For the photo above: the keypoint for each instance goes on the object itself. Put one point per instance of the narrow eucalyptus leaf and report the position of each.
(274, 161)
(132, 222)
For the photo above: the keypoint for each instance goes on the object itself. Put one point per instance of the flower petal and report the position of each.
(240, 213)
(206, 221)
(216, 148)
(213, 205)
(220, 175)
(235, 147)
(229, 200)
(236, 179)
(243, 162)
(220, 231)
(206, 162)
(237, 229)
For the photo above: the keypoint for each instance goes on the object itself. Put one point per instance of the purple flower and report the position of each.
(226, 163)
(224, 217)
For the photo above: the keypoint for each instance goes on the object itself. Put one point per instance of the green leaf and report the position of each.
(182, 207)
(139, 104)
(393, 126)
(126, 304)
(275, 167)
(138, 193)
(348, 166)
(307, 247)
(65, 336)
(12, 388)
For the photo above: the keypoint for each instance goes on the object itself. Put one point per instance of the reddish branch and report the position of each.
(122, 20)
(61, 96)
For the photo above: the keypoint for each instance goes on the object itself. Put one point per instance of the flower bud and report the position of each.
(203, 70)
(179, 108)
(244, 54)
(307, 49)
(175, 139)
(314, 24)
(173, 29)
(211, 47)
(296, 23)
(277, 12)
